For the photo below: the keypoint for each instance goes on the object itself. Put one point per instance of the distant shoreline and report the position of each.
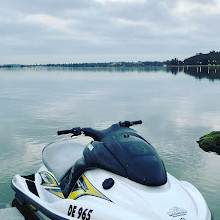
(104, 66)
(197, 65)
(212, 59)
(109, 64)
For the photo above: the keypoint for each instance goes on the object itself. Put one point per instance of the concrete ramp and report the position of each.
(10, 213)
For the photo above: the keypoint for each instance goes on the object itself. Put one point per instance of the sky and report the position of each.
(77, 31)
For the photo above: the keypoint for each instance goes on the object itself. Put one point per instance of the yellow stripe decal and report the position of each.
(82, 188)
(91, 190)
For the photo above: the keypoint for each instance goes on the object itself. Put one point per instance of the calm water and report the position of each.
(176, 110)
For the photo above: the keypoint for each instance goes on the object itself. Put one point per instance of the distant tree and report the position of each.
(174, 62)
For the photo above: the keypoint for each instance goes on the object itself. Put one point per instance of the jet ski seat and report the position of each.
(60, 157)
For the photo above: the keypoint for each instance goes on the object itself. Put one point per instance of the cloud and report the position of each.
(129, 29)
(121, 1)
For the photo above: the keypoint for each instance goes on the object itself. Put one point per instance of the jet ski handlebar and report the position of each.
(89, 131)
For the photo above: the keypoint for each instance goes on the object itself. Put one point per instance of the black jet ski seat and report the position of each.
(60, 157)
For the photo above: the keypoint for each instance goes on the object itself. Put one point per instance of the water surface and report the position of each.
(176, 110)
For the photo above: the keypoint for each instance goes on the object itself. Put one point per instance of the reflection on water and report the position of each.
(209, 72)
(176, 110)
(199, 72)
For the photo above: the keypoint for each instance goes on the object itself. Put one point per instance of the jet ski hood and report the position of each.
(124, 152)
(173, 200)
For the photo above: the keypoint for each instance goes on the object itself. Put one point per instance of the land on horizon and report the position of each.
(210, 59)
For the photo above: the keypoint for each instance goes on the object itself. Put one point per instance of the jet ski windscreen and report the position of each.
(141, 161)
(128, 156)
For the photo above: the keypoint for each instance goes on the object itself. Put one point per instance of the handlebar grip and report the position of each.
(75, 131)
(136, 122)
(64, 132)
(129, 123)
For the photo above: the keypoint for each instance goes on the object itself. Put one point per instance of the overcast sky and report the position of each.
(72, 31)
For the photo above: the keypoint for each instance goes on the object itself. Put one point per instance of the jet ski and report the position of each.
(117, 176)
